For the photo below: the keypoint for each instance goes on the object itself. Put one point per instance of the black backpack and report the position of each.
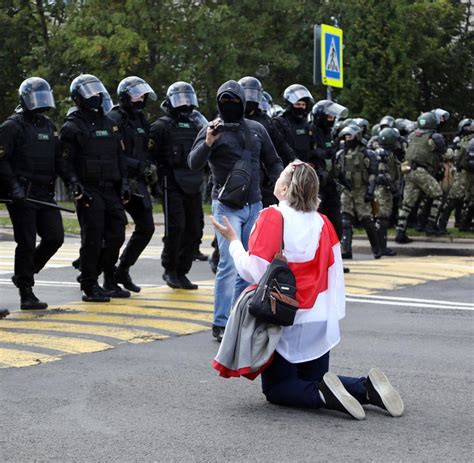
(274, 300)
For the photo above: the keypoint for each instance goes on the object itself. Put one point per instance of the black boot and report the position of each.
(4, 313)
(346, 239)
(77, 264)
(431, 229)
(402, 238)
(371, 231)
(122, 276)
(95, 293)
(172, 280)
(444, 218)
(112, 288)
(29, 301)
(198, 255)
(186, 283)
(382, 226)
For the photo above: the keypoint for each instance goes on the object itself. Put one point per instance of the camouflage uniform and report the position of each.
(424, 159)
(357, 196)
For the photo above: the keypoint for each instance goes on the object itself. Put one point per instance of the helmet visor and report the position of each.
(88, 89)
(337, 110)
(183, 99)
(198, 118)
(265, 106)
(142, 89)
(107, 104)
(298, 94)
(40, 99)
(252, 94)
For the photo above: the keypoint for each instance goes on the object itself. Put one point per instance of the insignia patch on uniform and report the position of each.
(2, 151)
(151, 144)
(55, 134)
(300, 131)
(43, 136)
(140, 130)
(115, 128)
(184, 125)
(102, 133)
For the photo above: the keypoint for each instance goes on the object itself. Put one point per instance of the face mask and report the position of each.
(298, 112)
(250, 107)
(137, 105)
(94, 102)
(184, 111)
(351, 144)
(231, 112)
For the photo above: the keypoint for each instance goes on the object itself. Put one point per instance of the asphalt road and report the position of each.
(162, 401)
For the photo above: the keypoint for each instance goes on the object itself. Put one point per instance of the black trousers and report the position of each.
(331, 207)
(144, 228)
(29, 220)
(102, 234)
(183, 217)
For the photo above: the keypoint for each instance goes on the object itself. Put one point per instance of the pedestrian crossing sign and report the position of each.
(332, 71)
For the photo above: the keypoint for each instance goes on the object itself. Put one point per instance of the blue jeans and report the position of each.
(296, 384)
(229, 285)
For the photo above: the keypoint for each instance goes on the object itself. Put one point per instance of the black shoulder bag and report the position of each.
(274, 300)
(235, 191)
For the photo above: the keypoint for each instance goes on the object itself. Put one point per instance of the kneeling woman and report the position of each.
(298, 375)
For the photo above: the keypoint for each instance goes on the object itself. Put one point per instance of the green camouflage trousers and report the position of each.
(384, 198)
(463, 187)
(417, 181)
(352, 202)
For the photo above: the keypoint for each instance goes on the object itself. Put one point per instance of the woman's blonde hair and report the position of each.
(303, 187)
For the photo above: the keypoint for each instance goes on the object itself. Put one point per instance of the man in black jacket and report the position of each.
(133, 93)
(171, 139)
(94, 152)
(293, 123)
(222, 143)
(30, 161)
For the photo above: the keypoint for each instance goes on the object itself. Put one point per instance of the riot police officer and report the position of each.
(293, 123)
(253, 91)
(133, 93)
(423, 159)
(463, 186)
(388, 184)
(324, 114)
(94, 152)
(171, 139)
(358, 174)
(29, 163)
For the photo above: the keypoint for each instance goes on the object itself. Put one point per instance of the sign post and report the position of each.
(327, 61)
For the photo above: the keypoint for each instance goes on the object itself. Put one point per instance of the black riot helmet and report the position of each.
(36, 95)
(387, 137)
(387, 121)
(252, 88)
(362, 123)
(181, 94)
(87, 91)
(131, 89)
(198, 118)
(351, 130)
(266, 103)
(427, 121)
(297, 92)
(324, 108)
(465, 126)
(441, 114)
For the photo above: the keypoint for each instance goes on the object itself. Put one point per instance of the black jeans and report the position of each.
(296, 384)
(102, 234)
(28, 220)
(144, 228)
(183, 216)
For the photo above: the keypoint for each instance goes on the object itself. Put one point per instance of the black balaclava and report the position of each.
(93, 103)
(250, 107)
(351, 144)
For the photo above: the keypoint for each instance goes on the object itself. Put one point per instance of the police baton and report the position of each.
(42, 203)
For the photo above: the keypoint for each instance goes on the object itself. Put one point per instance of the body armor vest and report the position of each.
(419, 150)
(387, 163)
(355, 167)
(300, 137)
(98, 151)
(35, 154)
(135, 132)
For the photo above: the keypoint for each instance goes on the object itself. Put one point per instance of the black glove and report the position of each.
(84, 201)
(368, 197)
(125, 193)
(17, 193)
(75, 188)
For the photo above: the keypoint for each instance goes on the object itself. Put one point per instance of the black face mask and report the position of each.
(250, 107)
(351, 144)
(326, 124)
(231, 112)
(184, 111)
(298, 112)
(137, 105)
(93, 102)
